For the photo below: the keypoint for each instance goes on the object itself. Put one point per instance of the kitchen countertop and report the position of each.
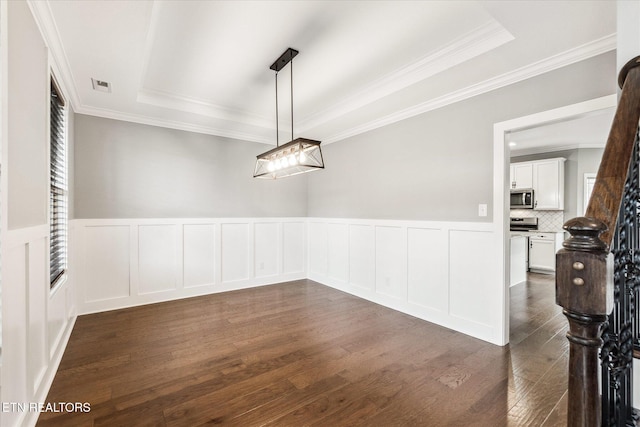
(531, 232)
(518, 233)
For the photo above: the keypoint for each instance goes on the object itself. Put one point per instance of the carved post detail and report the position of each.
(584, 289)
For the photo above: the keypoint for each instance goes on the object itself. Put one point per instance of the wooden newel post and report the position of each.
(584, 289)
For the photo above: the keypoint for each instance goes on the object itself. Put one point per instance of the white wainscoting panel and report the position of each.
(109, 263)
(438, 271)
(37, 350)
(293, 239)
(58, 316)
(235, 252)
(469, 301)
(318, 251)
(338, 255)
(199, 254)
(15, 387)
(157, 258)
(267, 241)
(391, 262)
(427, 274)
(130, 262)
(362, 256)
(36, 321)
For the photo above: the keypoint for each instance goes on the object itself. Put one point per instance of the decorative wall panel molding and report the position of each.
(36, 321)
(128, 262)
(437, 271)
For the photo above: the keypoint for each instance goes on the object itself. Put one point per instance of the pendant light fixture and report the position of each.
(297, 156)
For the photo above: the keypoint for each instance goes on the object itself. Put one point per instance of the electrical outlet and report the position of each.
(482, 209)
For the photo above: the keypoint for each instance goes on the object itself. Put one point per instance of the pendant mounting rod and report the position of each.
(280, 63)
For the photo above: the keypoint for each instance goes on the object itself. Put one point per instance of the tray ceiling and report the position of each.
(203, 66)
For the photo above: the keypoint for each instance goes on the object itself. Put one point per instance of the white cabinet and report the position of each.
(518, 265)
(542, 251)
(521, 175)
(548, 184)
(546, 177)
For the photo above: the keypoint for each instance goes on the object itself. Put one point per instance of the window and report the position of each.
(58, 191)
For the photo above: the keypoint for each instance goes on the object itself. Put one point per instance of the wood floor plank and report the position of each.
(300, 353)
(216, 407)
(289, 403)
(534, 408)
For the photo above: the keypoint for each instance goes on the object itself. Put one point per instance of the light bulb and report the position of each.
(277, 164)
(302, 157)
(284, 162)
(292, 160)
(271, 167)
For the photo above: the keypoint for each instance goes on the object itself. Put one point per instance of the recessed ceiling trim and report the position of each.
(571, 56)
(477, 42)
(46, 24)
(483, 39)
(172, 124)
(198, 106)
(173, 101)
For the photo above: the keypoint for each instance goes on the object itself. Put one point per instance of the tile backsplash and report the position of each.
(547, 220)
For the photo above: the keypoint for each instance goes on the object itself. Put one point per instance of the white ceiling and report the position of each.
(584, 131)
(204, 65)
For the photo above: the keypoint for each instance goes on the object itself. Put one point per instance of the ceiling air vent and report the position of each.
(101, 85)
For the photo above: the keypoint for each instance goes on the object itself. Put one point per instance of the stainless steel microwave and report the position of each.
(522, 199)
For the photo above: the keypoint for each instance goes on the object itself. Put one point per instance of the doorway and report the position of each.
(501, 158)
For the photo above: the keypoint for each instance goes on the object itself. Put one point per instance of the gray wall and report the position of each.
(129, 170)
(436, 166)
(439, 165)
(71, 162)
(28, 79)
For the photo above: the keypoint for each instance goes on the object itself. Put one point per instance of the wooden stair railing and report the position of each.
(597, 275)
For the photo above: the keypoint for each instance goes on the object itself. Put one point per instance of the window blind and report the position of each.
(58, 193)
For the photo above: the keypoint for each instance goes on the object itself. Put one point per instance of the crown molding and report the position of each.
(477, 42)
(172, 101)
(44, 20)
(171, 124)
(571, 56)
(481, 40)
(201, 107)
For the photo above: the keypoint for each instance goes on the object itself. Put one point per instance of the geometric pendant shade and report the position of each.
(293, 158)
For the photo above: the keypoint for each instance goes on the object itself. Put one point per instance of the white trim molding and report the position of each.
(475, 43)
(555, 62)
(484, 39)
(501, 176)
(36, 321)
(129, 262)
(441, 272)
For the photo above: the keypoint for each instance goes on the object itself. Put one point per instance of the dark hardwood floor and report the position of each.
(300, 353)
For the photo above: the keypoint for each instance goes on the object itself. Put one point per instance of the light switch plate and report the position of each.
(482, 209)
